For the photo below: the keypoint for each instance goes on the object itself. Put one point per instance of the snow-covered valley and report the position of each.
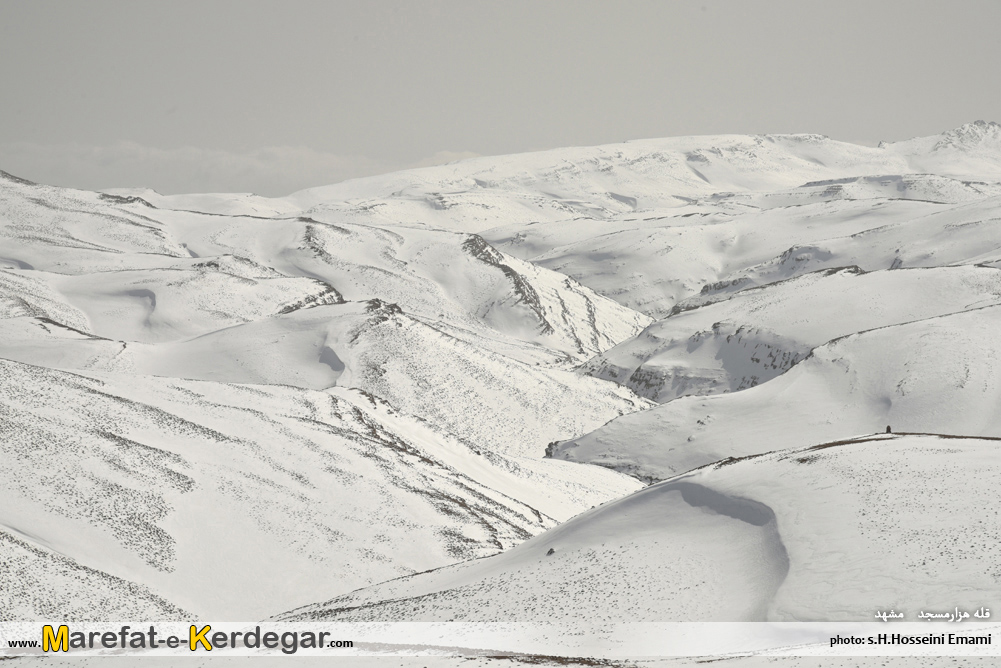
(637, 382)
(804, 534)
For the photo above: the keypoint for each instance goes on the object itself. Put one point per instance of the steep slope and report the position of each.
(443, 276)
(827, 532)
(112, 472)
(174, 494)
(484, 344)
(651, 222)
(456, 278)
(358, 382)
(751, 336)
(936, 375)
(654, 261)
(451, 378)
(41, 583)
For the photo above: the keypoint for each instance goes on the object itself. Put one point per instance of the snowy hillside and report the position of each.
(827, 532)
(464, 367)
(158, 482)
(941, 374)
(650, 222)
(471, 349)
(740, 340)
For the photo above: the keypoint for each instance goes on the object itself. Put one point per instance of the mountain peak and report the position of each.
(969, 135)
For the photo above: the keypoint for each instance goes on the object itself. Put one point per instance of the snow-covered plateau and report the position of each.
(638, 382)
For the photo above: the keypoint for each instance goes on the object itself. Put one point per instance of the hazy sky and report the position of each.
(272, 97)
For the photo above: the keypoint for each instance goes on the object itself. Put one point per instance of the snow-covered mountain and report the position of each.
(186, 489)
(772, 537)
(738, 340)
(438, 369)
(650, 222)
(458, 359)
(941, 374)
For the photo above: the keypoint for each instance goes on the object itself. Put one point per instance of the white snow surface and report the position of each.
(827, 532)
(192, 489)
(941, 375)
(197, 401)
(364, 381)
(651, 222)
(740, 340)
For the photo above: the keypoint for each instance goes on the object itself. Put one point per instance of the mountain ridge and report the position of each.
(461, 379)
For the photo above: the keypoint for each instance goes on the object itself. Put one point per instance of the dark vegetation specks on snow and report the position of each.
(362, 380)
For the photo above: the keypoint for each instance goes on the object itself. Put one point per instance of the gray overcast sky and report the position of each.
(272, 97)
